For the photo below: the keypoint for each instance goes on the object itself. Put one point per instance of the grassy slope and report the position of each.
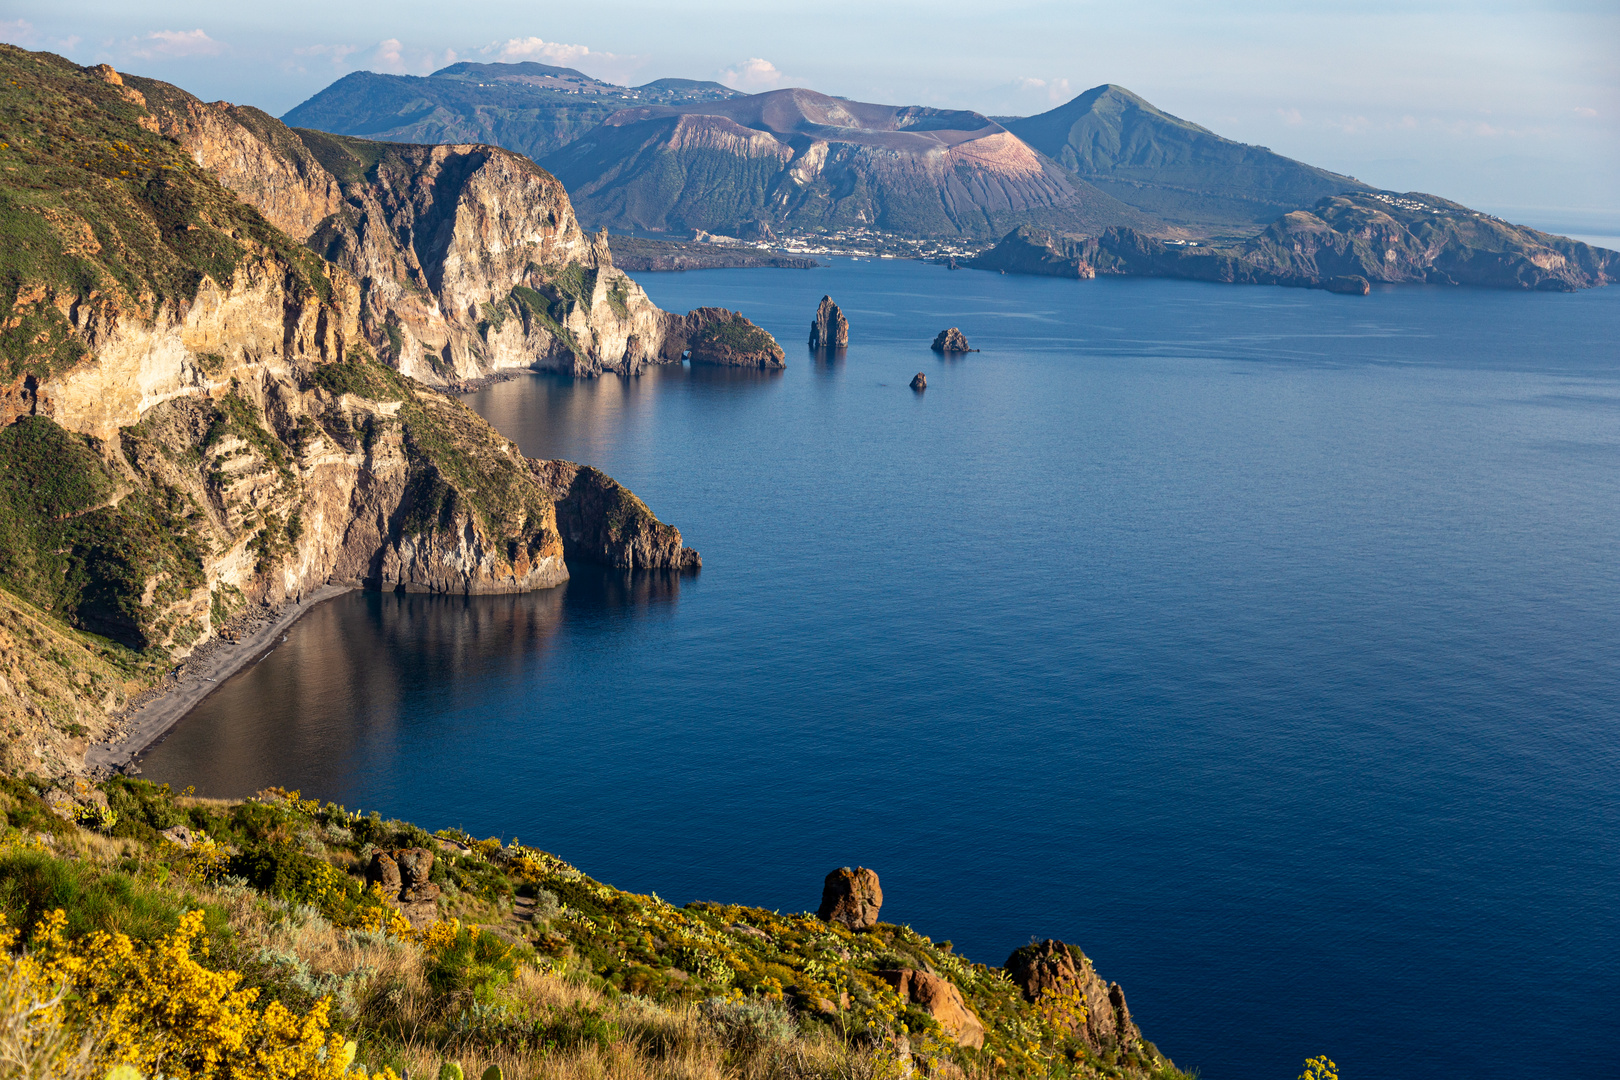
(571, 977)
(96, 208)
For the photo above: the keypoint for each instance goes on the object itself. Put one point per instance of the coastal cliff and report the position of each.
(1343, 244)
(193, 421)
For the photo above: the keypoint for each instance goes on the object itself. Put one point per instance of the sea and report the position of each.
(1264, 643)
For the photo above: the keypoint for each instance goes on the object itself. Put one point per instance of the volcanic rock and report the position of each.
(711, 335)
(950, 341)
(851, 897)
(1055, 968)
(402, 874)
(919, 381)
(830, 330)
(942, 1000)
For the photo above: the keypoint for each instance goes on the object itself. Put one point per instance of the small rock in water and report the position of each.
(949, 341)
(920, 382)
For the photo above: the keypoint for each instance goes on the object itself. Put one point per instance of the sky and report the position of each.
(1509, 107)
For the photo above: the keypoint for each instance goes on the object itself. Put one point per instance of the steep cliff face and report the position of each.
(469, 259)
(193, 420)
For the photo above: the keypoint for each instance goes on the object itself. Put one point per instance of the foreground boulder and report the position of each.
(711, 335)
(1054, 969)
(950, 341)
(940, 999)
(402, 874)
(830, 330)
(851, 898)
(919, 381)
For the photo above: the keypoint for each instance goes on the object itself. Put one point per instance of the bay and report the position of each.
(1261, 642)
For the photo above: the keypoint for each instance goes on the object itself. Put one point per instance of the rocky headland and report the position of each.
(721, 338)
(1345, 243)
(206, 417)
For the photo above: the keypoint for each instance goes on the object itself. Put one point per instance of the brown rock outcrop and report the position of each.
(950, 341)
(829, 329)
(919, 381)
(711, 335)
(1053, 967)
(941, 999)
(402, 873)
(602, 521)
(851, 897)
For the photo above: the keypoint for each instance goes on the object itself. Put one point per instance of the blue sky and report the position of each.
(1504, 106)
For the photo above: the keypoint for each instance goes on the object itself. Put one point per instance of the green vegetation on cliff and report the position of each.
(515, 958)
(90, 546)
(97, 210)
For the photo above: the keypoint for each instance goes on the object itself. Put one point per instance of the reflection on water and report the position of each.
(550, 415)
(350, 681)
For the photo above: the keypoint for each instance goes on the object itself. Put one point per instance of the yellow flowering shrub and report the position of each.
(153, 1006)
(1319, 1068)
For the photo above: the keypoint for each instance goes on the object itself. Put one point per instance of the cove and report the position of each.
(1259, 641)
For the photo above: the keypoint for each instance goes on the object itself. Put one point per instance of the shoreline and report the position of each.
(199, 675)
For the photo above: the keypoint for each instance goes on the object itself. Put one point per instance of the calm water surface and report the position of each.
(1261, 642)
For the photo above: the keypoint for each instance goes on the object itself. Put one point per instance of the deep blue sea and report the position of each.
(1264, 643)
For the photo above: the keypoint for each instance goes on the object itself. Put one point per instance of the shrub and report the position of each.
(157, 1007)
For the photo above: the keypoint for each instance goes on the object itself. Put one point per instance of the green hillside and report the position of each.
(1171, 168)
(533, 109)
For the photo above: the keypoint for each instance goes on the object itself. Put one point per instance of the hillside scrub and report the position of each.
(258, 912)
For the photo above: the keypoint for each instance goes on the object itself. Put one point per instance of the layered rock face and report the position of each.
(1052, 970)
(829, 329)
(797, 159)
(194, 420)
(469, 259)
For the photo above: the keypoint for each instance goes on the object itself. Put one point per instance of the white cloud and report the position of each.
(389, 55)
(540, 51)
(337, 54)
(1057, 91)
(17, 31)
(174, 43)
(1291, 117)
(1582, 110)
(753, 75)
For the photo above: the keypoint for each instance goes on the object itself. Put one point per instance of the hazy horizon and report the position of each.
(1507, 108)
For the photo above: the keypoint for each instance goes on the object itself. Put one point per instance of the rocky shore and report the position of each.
(246, 639)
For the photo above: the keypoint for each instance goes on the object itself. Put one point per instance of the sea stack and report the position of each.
(950, 341)
(831, 329)
(920, 382)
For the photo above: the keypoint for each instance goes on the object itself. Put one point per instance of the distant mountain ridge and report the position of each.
(1172, 168)
(801, 160)
(1106, 158)
(531, 108)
